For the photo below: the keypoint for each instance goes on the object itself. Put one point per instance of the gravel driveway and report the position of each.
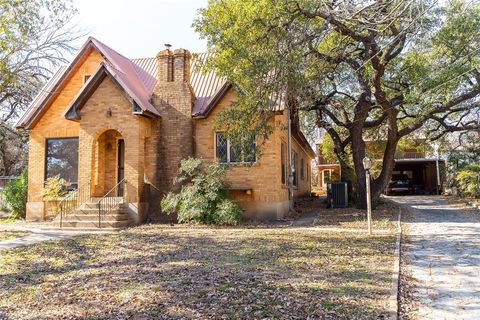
(443, 257)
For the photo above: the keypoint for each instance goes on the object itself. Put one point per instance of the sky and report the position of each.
(140, 28)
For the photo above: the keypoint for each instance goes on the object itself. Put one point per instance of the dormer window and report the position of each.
(85, 78)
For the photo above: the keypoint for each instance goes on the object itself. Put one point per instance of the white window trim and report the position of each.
(323, 176)
(228, 151)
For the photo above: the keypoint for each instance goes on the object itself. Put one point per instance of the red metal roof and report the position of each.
(206, 85)
(140, 76)
(43, 94)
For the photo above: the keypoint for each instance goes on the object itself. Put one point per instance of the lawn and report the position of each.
(384, 217)
(183, 272)
(9, 235)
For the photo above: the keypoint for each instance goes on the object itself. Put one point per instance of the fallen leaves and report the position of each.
(160, 272)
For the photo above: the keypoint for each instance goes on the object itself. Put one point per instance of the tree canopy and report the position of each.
(35, 35)
(366, 70)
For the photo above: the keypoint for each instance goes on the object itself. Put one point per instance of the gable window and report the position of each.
(61, 159)
(283, 153)
(228, 152)
(302, 169)
(295, 168)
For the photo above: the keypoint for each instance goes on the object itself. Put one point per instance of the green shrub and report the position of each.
(201, 195)
(15, 195)
(468, 180)
(52, 193)
(54, 189)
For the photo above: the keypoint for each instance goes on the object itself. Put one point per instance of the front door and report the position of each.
(120, 165)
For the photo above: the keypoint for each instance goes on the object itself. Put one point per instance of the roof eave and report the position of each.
(68, 71)
(103, 71)
(213, 103)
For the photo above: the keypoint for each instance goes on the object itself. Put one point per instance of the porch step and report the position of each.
(86, 216)
(94, 204)
(94, 211)
(91, 224)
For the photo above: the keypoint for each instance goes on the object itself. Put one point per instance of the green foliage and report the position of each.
(54, 189)
(468, 180)
(15, 195)
(410, 71)
(202, 195)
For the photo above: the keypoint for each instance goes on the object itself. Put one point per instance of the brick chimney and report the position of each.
(173, 97)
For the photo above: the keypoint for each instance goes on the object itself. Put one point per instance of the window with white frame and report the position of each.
(228, 152)
(327, 176)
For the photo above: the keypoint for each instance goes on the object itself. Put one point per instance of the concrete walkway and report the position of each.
(37, 235)
(443, 257)
(31, 239)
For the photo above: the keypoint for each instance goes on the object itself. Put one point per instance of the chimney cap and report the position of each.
(168, 46)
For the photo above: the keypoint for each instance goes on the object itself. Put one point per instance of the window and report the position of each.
(327, 176)
(295, 168)
(302, 169)
(227, 152)
(85, 78)
(61, 159)
(283, 154)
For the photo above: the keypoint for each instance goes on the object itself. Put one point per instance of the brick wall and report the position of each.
(53, 125)
(269, 198)
(155, 147)
(172, 139)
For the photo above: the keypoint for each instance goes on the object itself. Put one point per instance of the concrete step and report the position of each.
(94, 211)
(81, 216)
(93, 224)
(99, 230)
(95, 205)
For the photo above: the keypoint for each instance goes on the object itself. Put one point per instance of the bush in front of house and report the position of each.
(201, 195)
(53, 192)
(15, 195)
(54, 189)
(468, 180)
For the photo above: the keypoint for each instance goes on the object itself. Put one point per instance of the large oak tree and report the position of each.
(383, 69)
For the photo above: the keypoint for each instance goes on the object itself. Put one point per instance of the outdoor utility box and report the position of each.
(337, 195)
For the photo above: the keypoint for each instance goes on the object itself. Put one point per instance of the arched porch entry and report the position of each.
(108, 164)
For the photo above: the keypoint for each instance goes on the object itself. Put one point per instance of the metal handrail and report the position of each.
(71, 200)
(108, 203)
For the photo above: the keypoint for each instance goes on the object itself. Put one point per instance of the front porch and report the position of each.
(107, 195)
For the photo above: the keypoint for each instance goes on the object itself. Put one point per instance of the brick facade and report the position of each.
(268, 198)
(154, 146)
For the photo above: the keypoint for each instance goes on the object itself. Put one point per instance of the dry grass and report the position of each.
(9, 235)
(200, 273)
(384, 217)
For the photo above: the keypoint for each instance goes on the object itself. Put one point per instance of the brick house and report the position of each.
(106, 122)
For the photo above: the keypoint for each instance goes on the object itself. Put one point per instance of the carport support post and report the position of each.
(438, 168)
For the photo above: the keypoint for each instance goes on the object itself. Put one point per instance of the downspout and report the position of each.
(290, 164)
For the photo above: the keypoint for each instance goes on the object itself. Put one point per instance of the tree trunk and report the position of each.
(347, 173)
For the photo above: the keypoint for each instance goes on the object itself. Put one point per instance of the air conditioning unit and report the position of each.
(337, 195)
